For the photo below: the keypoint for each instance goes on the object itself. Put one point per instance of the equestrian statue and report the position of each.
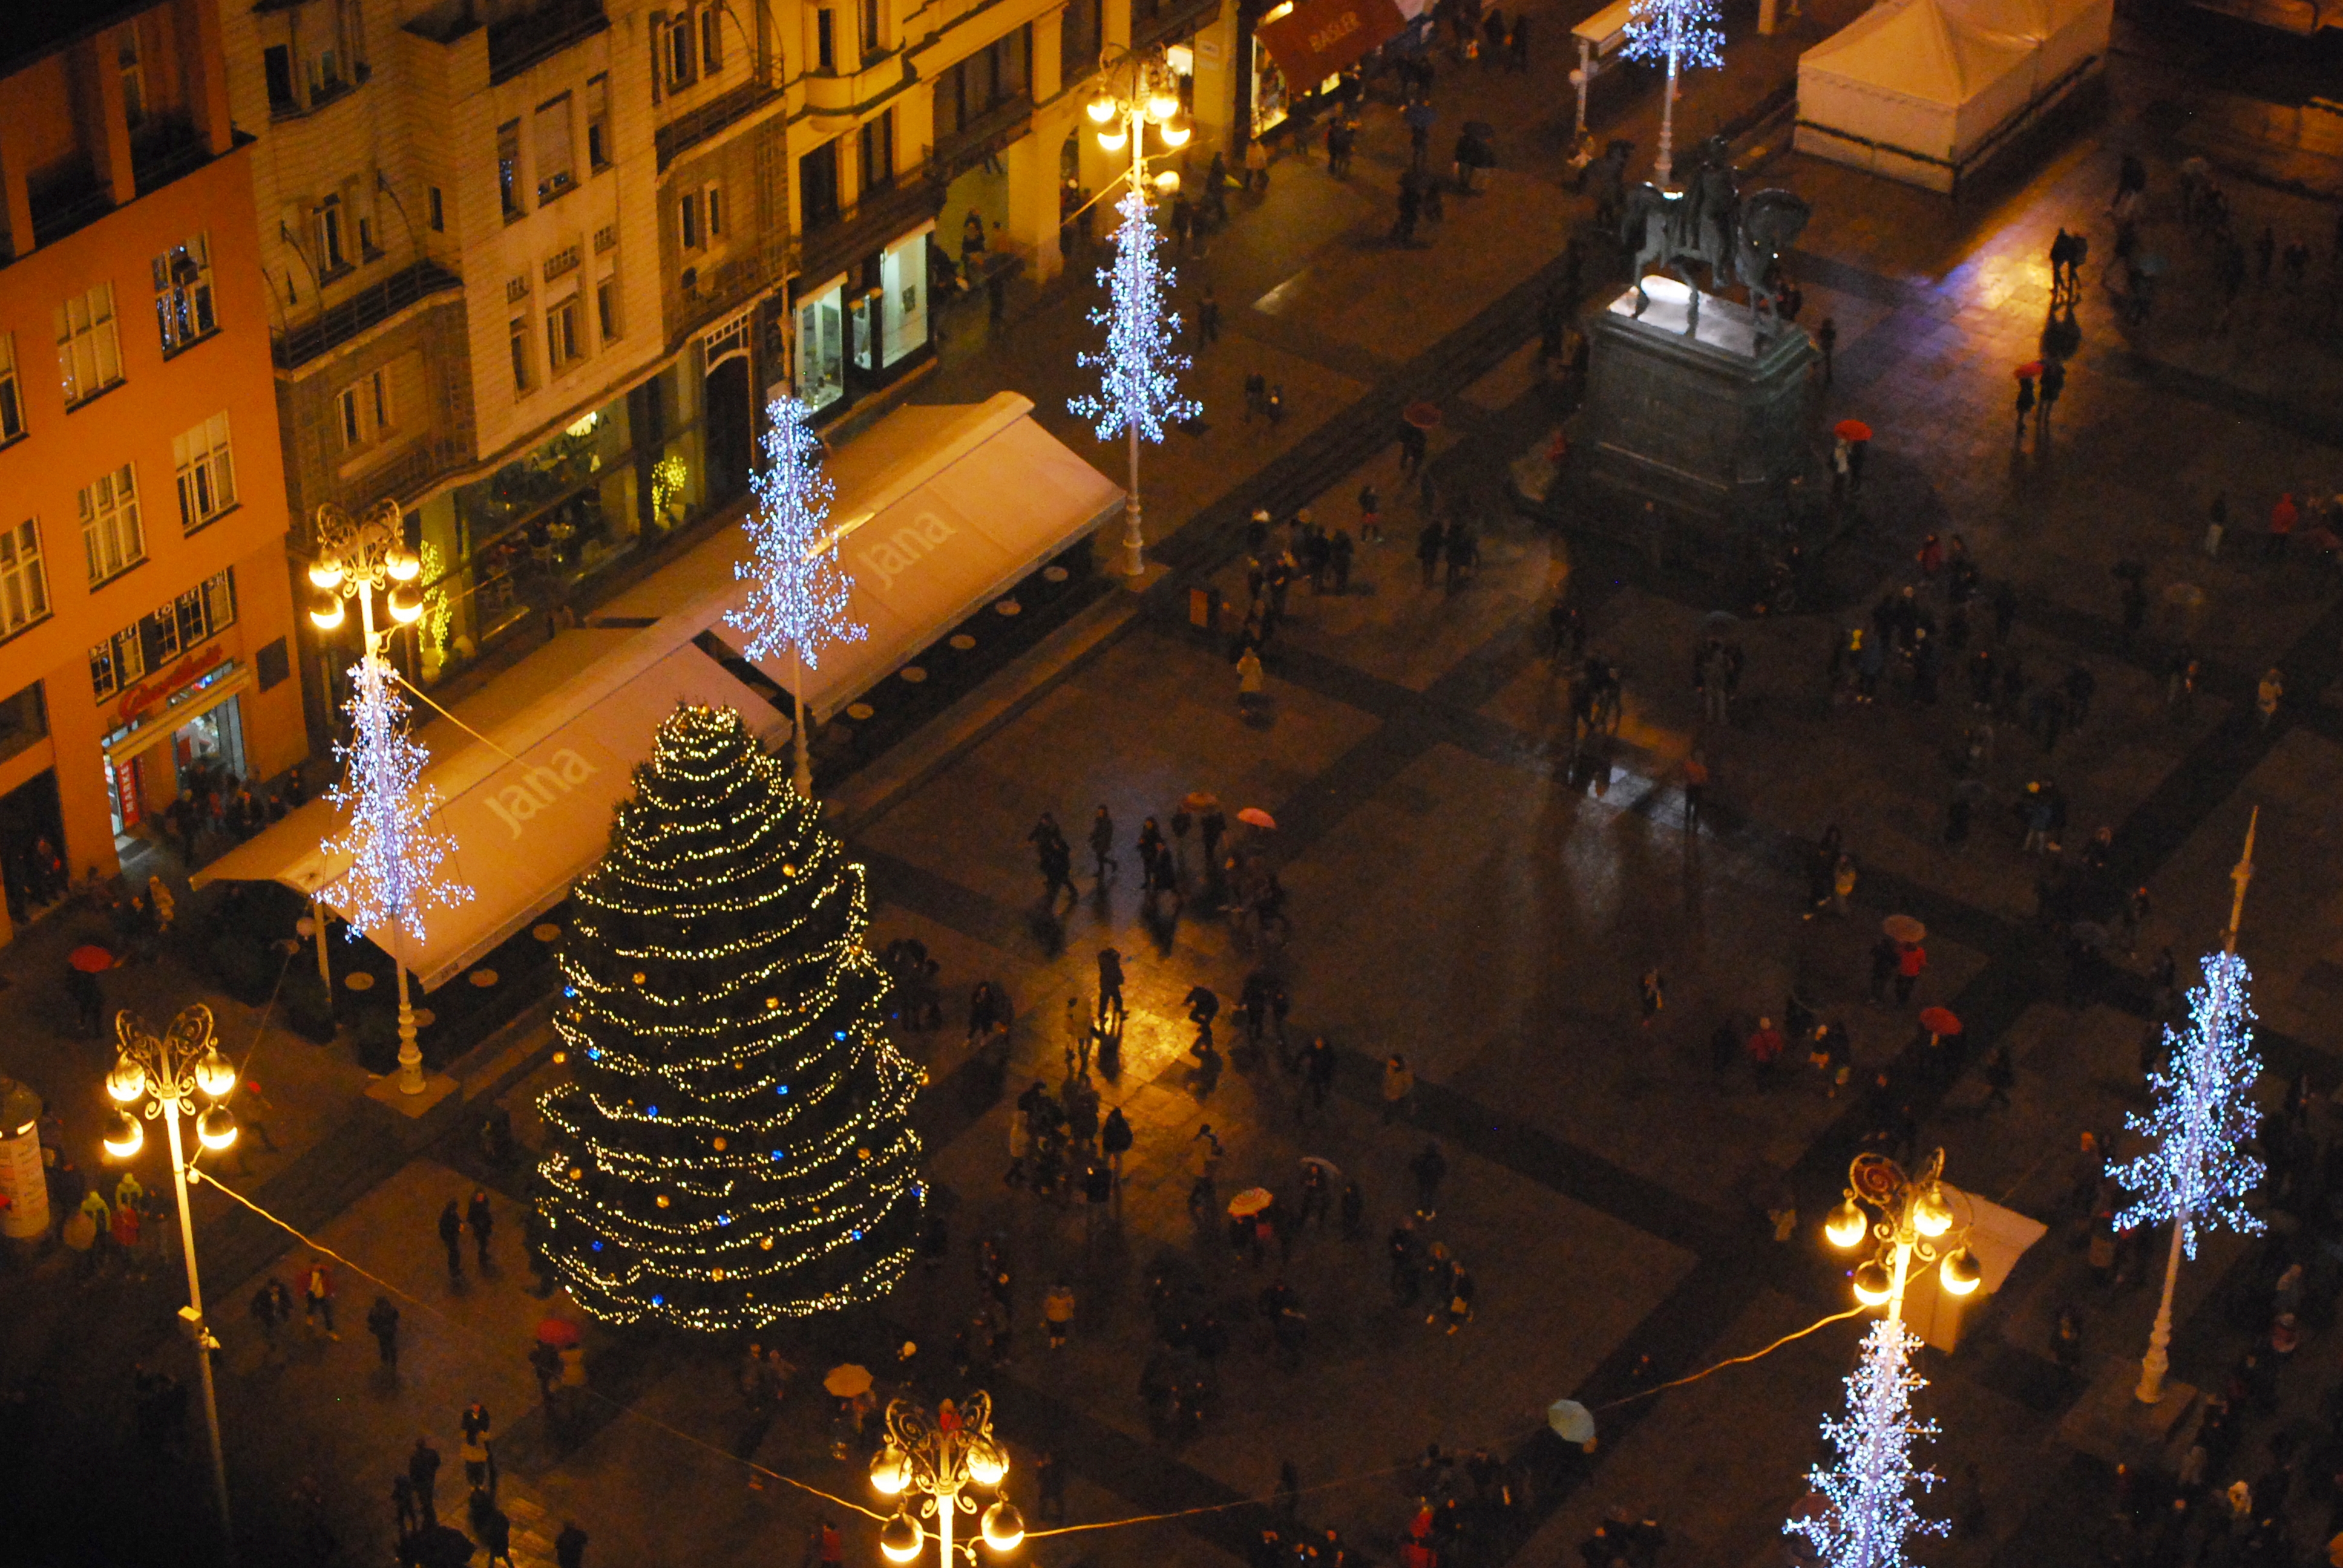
(1708, 225)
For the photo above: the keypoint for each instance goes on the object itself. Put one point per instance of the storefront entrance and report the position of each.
(199, 757)
(32, 835)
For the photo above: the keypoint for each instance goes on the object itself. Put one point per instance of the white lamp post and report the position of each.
(940, 1458)
(164, 1077)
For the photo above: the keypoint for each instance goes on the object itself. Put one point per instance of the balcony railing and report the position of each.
(371, 306)
(689, 129)
(877, 218)
(988, 132)
(517, 42)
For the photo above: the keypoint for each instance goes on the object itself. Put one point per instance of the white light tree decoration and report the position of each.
(2201, 1118)
(1679, 33)
(797, 593)
(1138, 390)
(1870, 1513)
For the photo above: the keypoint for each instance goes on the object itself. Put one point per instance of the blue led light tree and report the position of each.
(798, 592)
(2201, 1119)
(1139, 391)
(1680, 33)
(1869, 1511)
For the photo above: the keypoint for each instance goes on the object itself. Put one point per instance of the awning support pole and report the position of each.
(325, 966)
(802, 778)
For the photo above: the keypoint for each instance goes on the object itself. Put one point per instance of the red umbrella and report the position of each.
(1940, 1020)
(1852, 430)
(1257, 816)
(557, 1331)
(2031, 369)
(91, 960)
(1422, 416)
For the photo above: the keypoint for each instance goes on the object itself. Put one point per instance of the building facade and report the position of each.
(145, 614)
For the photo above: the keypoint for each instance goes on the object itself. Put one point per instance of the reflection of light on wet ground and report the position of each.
(1274, 302)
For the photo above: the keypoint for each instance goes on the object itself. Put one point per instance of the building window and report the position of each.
(182, 294)
(564, 342)
(678, 50)
(365, 409)
(197, 615)
(12, 407)
(111, 537)
(688, 210)
(557, 167)
(509, 167)
(207, 610)
(23, 581)
(867, 14)
(435, 207)
(714, 214)
(878, 137)
(818, 179)
(276, 68)
(711, 39)
(598, 123)
(328, 226)
(207, 472)
(522, 359)
(1079, 38)
(998, 74)
(353, 414)
(89, 352)
(117, 662)
(825, 40)
(134, 78)
(606, 306)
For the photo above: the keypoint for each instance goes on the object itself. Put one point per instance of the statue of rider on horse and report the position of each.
(1708, 225)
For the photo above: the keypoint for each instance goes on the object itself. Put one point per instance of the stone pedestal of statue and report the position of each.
(1706, 425)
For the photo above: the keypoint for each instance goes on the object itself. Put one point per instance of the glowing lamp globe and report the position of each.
(1931, 1215)
(326, 575)
(902, 1538)
(406, 605)
(404, 566)
(1168, 181)
(986, 1463)
(215, 1074)
(1114, 139)
(1161, 106)
(1961, 1273)
(1846, 1225)
(327, 615)
(1871, 1285)
(888, 1472)
(127, 1081)
(123, 1135)
(1176, 135)
(215, 1128)
(1004, 1527)
(1100, 110)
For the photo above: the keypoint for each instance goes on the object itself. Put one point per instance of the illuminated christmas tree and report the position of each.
(736, 1144)
(1677, 33)
(1870, 1513)
(2200, 1167)
(1139, 389)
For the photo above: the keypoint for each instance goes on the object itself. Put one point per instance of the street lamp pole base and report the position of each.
(1134, 546)
(411, 1054)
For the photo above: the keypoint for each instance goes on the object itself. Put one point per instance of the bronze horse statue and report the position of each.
(1707, 225)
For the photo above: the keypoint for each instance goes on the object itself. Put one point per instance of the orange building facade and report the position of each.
(145, 608)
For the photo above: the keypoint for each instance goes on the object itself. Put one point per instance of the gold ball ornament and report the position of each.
(576, 1174)
(765, 1242)
(716, 1273)
(640, 977)
(862, 1154)
(662, 1199)
(787, 870)
(719, 1145)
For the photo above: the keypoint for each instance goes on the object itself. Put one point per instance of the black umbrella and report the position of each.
(441, 1546)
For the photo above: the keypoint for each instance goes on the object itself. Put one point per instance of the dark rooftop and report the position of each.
(32, 29)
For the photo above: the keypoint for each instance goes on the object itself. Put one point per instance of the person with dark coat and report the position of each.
(382, 1322)
(482, 1221)
(1114, 1139)
(423, 1473)
(451, 1236)
(570, 1546)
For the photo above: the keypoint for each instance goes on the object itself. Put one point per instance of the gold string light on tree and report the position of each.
(735, 1146)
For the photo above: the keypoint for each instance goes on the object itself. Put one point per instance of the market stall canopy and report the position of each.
(1319, 38)
(1606, 30)
(942, 508)
(528, 825)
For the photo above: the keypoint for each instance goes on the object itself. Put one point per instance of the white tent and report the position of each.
(1924, 90)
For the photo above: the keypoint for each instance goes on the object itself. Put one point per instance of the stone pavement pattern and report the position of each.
(1467, 890)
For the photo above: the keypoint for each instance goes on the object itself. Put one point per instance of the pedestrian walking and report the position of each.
(1058, 1313)
(1911, 958)
(1429, 1167)
(545, 1361)
(423, 1474)
(1110, 986)
(1654, 989)
(382, 1322)
(1049, 1476)
(2024, 403)
(2268, 694)
(1429, 545)
(317, 1298)
(1826, 339)
(2054, 382)
(451, 1236)
(1103, 845)
(1399, 1088)
(1251, 682)
(402, 1505)
(1208, 317)
(1999, 1076)
(1318, 1064)
(272, 1309)
(570, 1546)
(1114, 1139)
(482, 1221)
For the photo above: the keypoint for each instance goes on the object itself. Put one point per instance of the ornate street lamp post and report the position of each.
(941, 1458)
(1914, 1222)
(163, 1076)
(1136, 393)
(394, 853)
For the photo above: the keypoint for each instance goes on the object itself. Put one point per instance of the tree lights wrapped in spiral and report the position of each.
(798, 594)
(1677, 33)
(395, 853)
(1136, 385)
(736, 1146)
(2201, 1118)
(1869, 1513)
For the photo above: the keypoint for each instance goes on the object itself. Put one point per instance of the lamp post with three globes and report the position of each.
(163, 1076)
(1916, 1223)
(940, 1457)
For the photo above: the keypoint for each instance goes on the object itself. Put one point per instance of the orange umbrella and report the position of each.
(91, 959)
(1249, 1202)
(2031, 369)
(1852, 430)
(1257, 816)
(1940, 1020)
(1903, 929)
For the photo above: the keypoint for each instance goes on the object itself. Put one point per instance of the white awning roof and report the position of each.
(964, 501)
